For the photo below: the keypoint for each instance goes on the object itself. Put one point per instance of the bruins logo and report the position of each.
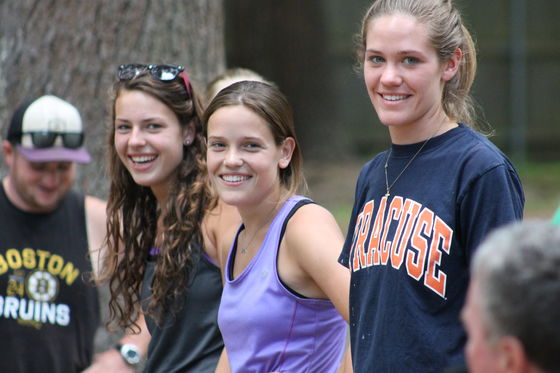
(42, 286)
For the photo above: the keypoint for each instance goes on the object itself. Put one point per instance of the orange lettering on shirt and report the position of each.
(436, 279)
(362, 227)
(373, 248)
(395, 212)
(415, 263)
(406, 223)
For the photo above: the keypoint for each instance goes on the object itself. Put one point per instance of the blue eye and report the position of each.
(122, 127)
(154, 126)
(216, 145)
(376, 59)
(411, 60)
(252, 146)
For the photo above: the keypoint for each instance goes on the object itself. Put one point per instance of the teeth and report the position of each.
(393, 97)
(143, 159)
(234, 178)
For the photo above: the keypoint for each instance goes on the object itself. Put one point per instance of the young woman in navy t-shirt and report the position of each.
(421, 207)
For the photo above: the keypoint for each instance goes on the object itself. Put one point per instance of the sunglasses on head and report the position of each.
(46, 139)
(164, 73)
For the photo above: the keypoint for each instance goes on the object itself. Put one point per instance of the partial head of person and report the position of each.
(513, 304)
(156, 162)
(44, 141)
(251, 110)
(398, 41)
(230, 76)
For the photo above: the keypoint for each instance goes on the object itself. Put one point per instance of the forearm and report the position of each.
(223, 363)
(112, 361)
(346, 363)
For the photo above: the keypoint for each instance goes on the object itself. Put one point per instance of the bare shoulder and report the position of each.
(95, 208)
(218, 228)
(310, 220)
(312, 235)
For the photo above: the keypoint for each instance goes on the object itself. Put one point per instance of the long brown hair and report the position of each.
(132, 213)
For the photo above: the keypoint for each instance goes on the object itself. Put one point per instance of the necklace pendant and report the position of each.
(387, 194)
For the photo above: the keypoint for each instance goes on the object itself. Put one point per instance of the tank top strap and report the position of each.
(269, 248)
(277, 228)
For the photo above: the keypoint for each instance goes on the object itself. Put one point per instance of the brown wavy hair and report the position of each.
(133, 212)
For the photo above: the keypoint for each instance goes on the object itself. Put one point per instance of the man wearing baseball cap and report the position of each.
(48, 311)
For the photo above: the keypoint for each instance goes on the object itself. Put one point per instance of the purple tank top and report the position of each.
(267, 327)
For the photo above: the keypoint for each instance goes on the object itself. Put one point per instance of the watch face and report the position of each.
(130, 354)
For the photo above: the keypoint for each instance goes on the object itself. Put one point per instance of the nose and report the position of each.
(51, 178)
(233, 158)
(136, 137)
(391, 76)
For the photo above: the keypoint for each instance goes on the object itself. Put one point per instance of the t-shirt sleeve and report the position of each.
(493, 199)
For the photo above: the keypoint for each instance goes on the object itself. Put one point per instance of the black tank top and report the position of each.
(190, 341)
(48, 313)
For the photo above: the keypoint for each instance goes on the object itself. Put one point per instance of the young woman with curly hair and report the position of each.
(162, 263)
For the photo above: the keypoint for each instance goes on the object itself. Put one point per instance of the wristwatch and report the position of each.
(129, 353)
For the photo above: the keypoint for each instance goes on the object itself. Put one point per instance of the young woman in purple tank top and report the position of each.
(285, 298)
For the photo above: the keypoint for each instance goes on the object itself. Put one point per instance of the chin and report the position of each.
(393, 122)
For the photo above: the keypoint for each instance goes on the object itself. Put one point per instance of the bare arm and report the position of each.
(111, 361)
(223, 363)
(96, 219)
(346, 363)
(312, 245)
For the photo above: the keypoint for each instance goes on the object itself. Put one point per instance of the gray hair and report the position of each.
(518, 269)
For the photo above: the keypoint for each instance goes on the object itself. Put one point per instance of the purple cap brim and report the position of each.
(55, 154)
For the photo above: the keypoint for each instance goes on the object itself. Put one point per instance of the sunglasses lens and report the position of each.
(43, 139)
(72, 140)
(165, 73)
(127, 72)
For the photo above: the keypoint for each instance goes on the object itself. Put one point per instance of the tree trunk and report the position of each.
(71, 49)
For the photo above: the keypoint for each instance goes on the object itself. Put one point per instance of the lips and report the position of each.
(234, 179)
(142, 159)
(394, 97)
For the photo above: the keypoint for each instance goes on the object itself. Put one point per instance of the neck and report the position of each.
(161, 194)
(421, 130)
(256, 216)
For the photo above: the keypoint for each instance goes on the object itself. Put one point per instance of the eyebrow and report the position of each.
(146, 120)
(403, 52)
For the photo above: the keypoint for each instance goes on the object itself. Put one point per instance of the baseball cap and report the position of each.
(48, 129)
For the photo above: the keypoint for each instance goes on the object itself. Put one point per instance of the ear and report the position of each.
(188, 134)
(511, 355)
(452, 65)
(9, 151)
(286, 150)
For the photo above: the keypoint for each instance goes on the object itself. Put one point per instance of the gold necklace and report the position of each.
(245, 248)
(408, 164)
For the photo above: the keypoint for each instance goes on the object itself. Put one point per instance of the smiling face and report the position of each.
(148, 140)
(404, 77)
(243, 158)
(36, 186)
